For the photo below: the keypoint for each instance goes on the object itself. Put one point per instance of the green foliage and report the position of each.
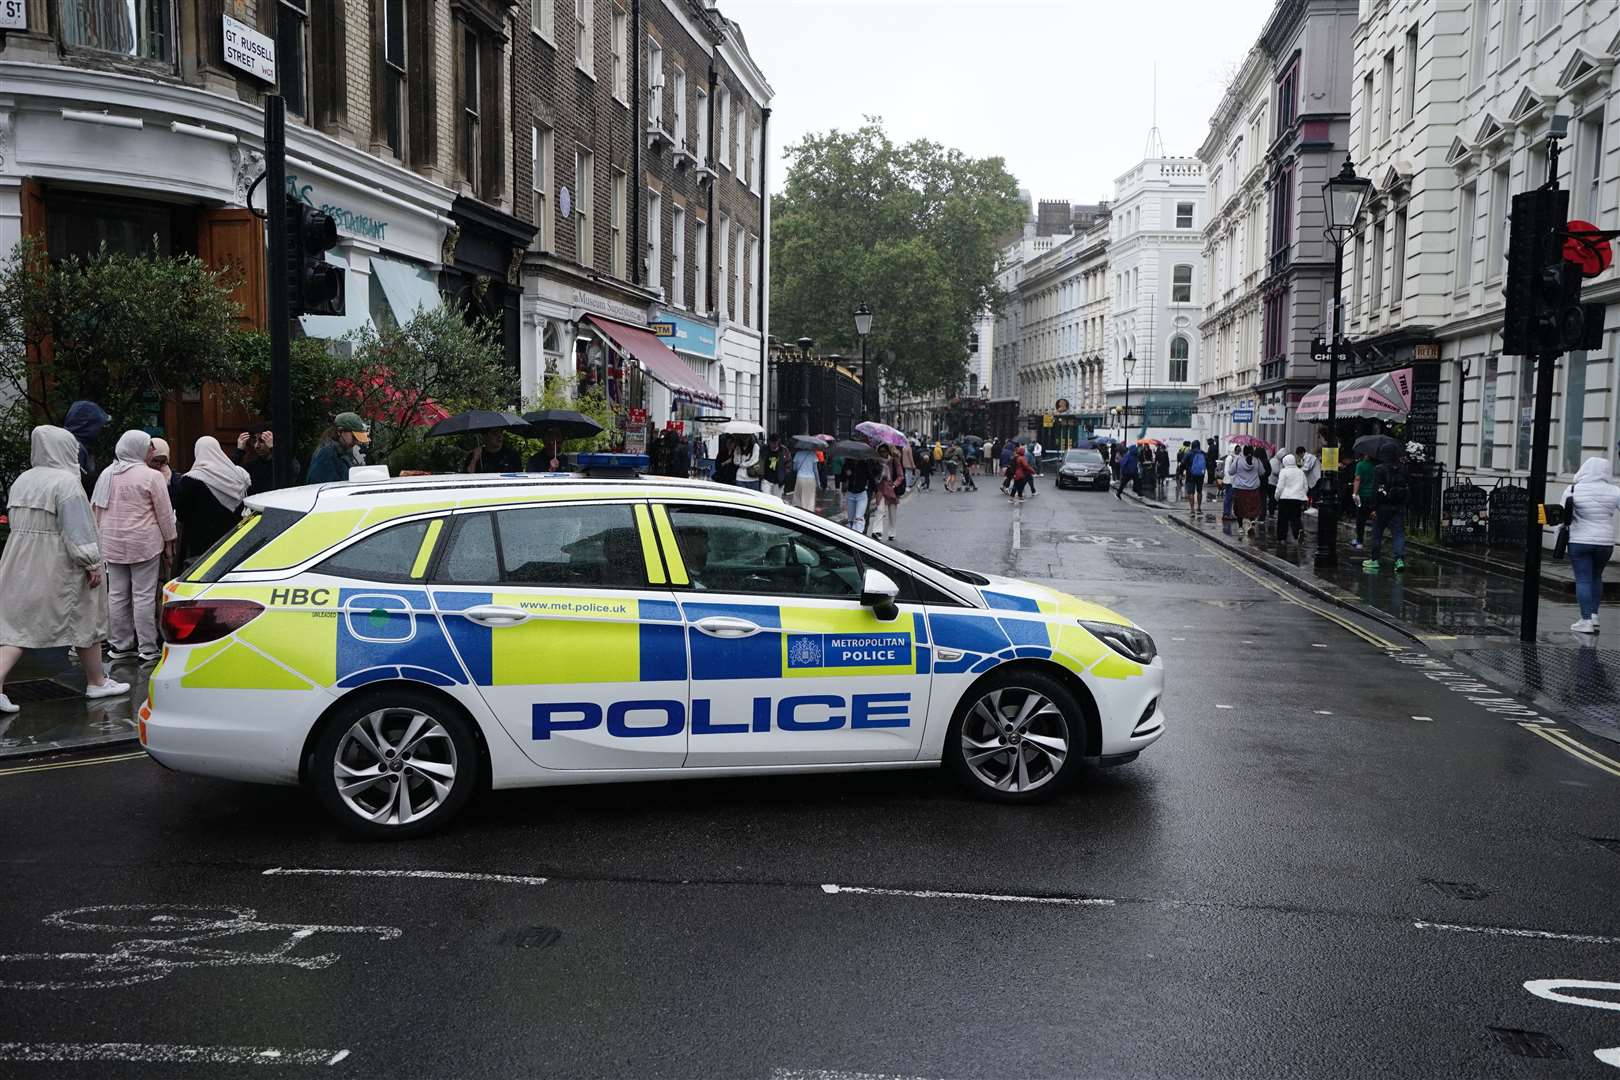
(910, 230)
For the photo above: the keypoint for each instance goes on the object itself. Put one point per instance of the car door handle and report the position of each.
(723, 627)
(496, 615)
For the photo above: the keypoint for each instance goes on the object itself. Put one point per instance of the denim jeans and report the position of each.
(1588, 561)
(855, 509)
(1394, 520)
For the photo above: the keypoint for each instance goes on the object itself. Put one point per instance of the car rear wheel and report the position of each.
(395, 764)
(1017, 738)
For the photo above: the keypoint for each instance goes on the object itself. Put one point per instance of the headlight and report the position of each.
(1066, 471)
(1128, 641)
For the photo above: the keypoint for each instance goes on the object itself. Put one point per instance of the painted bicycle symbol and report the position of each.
(173, 937)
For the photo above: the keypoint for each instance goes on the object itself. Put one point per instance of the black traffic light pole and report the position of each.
(1546, 361)
(275, 171)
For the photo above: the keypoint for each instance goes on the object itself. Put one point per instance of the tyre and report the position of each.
(395, 764)
(1017, 737)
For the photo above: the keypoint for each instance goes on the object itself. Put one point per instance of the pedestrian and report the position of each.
(1268, 481)
(1181, 458)
(1212, 462)
(1226, 481)
(136, 526)
(1310, 466)
(1129, 464)
(925, 471)
(1162, 471)
(1291, 491)
(1246, 483)
(771, 465)
(492, 455)
(885, 499)
(805, 480)
(339, 450)
(208, 498)
(1389, 512)
(953, 465)
(908, 461)
(855, 479)
(51, 570)
(750, 463)
(254, 451)
(86, 420)
(1591, 504)
(1190, 477)
(1035, 449)
(969, 455)
(158, 458)
(1363, 495)
(1023, 474)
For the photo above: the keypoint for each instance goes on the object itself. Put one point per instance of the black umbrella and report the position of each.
(560, 424)
(849, 448)
(476, 420)
(1378, 447)
(809, 442)
(974, 439)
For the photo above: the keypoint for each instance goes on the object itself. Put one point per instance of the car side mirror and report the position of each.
(878, 592)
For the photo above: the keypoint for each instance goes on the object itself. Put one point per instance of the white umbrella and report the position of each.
(741, 427)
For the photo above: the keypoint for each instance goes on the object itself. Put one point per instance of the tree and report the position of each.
(910, 230)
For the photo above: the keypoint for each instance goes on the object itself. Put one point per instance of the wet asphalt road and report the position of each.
(1301, 879)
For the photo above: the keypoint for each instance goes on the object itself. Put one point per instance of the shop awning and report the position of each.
(1385, 396)
(409, 287)
(655, 358)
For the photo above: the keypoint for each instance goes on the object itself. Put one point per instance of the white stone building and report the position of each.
(1062, 294)
(1450, 119)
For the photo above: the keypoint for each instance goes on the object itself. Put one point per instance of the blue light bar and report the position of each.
(618, 463)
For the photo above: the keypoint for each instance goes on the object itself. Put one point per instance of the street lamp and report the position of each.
(1130, 365)
(805, 345)
(1343, 197)
(863, 327)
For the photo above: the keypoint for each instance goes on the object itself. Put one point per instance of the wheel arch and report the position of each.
(1071, 681)
(380, 690)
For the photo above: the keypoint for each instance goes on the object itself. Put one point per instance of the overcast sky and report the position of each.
(1063, 89)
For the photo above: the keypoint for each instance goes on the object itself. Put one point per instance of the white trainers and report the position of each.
(109, 688)
(1584, 626)
(7, 707)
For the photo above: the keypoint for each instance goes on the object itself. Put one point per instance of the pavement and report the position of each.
(1346, 858)
(55, 715)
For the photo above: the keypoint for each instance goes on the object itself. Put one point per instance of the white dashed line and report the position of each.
(935, 894)
(167, 1053)
(1225, 706)
(432, 875)
(835, 1074)
(1178, 639)
(1509, 931)
(1317, 645)
(1324, 712)
(1427, 719)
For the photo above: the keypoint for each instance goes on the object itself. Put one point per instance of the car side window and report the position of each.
(389, 555)
(472, 558)
(576, 546)
(730, 552)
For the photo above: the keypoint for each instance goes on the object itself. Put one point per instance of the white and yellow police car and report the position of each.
(399, 644)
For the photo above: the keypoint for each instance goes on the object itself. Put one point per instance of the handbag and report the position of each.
(1561, 541)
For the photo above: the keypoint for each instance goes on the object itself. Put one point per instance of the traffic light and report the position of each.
(314, 286)
(1544, 313)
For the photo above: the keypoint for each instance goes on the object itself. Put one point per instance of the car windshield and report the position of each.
(960, 575)
(1082, 457)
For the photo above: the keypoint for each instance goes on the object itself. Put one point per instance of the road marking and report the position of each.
(1509, 931)
(1317, 645)
(1017, 532)
(1178, 639)
(1549, 989)
(108, 760)
(1561, 739)
(168, 1054)
(835, 1074)
(1226, 706)
(1428, 719)
(1324, 712)
(936, 894)
(432, 875)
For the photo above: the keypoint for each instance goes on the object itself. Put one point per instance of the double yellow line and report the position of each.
(108, 760)
(1573, 747)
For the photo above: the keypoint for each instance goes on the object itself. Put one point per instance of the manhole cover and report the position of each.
(532, 937)
(1457, 890)
(1529, 1044)
(30, 691)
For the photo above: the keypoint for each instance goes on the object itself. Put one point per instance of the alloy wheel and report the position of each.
(395, 766)
(1015, 739)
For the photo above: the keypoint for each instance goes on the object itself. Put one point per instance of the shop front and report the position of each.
(483, 269)
(637, 373)
(1388, 388)
(696, 345)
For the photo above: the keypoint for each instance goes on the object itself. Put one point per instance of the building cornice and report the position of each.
(742, 65)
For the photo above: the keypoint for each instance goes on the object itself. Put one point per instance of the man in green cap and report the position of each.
(337, 452)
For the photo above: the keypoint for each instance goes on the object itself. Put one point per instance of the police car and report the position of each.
(397, 645)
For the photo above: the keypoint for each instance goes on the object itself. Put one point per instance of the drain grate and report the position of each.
(1529, 1044)
(532, 937)
(1457, 890)
(30, 691)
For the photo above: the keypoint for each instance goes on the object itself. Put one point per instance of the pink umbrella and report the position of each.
(1254, 441)
(881, 432)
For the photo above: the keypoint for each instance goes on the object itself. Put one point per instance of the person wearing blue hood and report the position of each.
(85, 419)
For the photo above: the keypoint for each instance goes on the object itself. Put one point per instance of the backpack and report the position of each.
(1391, 483)
(756, 471)
(1196, 466)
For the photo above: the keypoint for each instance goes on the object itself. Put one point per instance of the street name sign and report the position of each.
(246, 49)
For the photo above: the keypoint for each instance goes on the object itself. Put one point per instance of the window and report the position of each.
(471, 94)
(1476, 43)
(585, 36)
(723, 278)
(568, 546)
(584, 205)
(1387, 121)
(700, 264)
(731, 553)
(740, 133)
(1574, 409)
(725, 128)
(1360, 266)
(1496, 227)
(1409, 79)
(1288, 98)
(541, 165)
(655, 83)
(701, 105)
(1588, 182)
(621, 64)
(1465, 236)
(1397, 263)
(1376, 293)
(472, 557)
(1547, 12)
(1487, 414)
(399, 553)
(1181, 285)
(616, 209)
(655, 242)
(1512, 16)
(1282, 217)
(1366, 114)
(739, 309)
(1184, 215)
(1524, 416)
(404, 106)
(143, 28)
(1179, 349)
(677, 275)
(391, 119)
(756, 163)
(292, 54)
(680, 109)
(543, 18)
(753, 276)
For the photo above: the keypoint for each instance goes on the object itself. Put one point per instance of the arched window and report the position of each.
(1178, 359)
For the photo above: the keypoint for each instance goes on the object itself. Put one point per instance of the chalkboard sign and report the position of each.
(1463, 514)
(1423, 422)
(1510, 512)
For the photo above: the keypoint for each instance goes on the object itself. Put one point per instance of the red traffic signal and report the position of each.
(1587, 248)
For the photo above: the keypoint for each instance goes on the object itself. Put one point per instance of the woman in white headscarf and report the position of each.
(208, 498)
(51, 569)
(1592, 502)
(131, 504)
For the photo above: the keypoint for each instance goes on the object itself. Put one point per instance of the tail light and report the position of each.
(195, 622)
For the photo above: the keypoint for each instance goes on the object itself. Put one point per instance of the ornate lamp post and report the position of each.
(805, 345)
(1129, 363)
(1343, 197)
(863, 327)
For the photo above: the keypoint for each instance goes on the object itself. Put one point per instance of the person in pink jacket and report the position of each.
(136, 521)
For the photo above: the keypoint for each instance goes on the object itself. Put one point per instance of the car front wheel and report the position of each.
(1016, 738)
(395, 764)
